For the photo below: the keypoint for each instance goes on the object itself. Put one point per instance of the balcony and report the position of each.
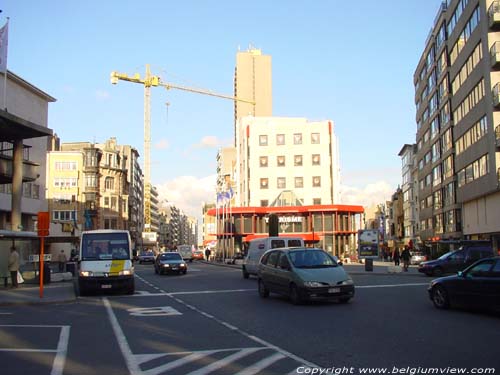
(30, 170)
(496, 96)
(497, 138)
(494, 15)
(495, 55)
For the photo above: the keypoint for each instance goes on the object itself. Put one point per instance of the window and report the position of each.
(297, 160)
(264, 183)
(316, 201)
(297, 139)
(109, 183)
(264, 203)
(316, 181)
(281, 183)
(90, 180)
(263, 161)
(280, 139)
(315, 159)
(106, 201)
(280, 161)
(299, 182)
(262, 140)
(315, 138)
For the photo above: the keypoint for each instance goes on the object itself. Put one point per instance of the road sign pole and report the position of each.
(42, 245)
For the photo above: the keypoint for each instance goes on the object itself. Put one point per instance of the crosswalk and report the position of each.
(238, 361)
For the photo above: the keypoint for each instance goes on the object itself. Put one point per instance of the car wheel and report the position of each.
(263, 291)
(246, 275)
(184, 272)
(294, 295)
(440, 297)
(438, 271)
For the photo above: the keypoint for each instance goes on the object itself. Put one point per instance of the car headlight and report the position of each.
(183, 265)
(86, 273)
(347, 282)
(313, 284)
(126, 272)
(166, 265)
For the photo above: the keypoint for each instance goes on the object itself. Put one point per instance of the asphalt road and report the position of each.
(213, 321)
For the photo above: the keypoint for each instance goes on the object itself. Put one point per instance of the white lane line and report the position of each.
(62, 351)
(177, 363)
(256, 368)
(132, 365)
(389, 285)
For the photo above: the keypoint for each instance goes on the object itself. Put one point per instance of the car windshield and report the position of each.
(311, 259)
(170, 257)
(105, 246)
(444, 256)
(147, 252)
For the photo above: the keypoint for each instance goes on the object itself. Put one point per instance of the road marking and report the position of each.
(261, 365)
(389, 285)
(61, 350)
(154, 311)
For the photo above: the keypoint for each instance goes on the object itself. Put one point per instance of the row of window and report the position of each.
(476, 94)
(440, 198)
(281, 139)
(66, 182)
(473, 171)
(298, 182)
(465, 35)
(466, 70)
(437, 149)
(281, 160)
(30, 190)
(471, 136)
(447, 222)
(64, 215)
(265, 203)
(456, 15)
(66, 166)
(439, 173)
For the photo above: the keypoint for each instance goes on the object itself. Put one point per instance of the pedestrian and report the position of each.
(207, 254)
(396, 256)
(13, 266)
(406, 256)
(62, 261)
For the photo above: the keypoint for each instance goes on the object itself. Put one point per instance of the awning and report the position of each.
(13, 128)
(307, 237)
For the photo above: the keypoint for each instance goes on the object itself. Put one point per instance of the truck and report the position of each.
(106, 261)
(186, 252)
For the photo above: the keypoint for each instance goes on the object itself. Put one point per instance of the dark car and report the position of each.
(478, 286)
(303, 274)
(170, 262)
(146, 256)
(455, 261)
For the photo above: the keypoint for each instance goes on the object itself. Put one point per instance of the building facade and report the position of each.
(409, 193)
(252, 82)
(457, 96)
(286, 161)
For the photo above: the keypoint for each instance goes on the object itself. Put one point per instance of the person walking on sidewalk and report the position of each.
(62, 261)
(396, 256)
(207, 254)
(13, 266)
(406, 256)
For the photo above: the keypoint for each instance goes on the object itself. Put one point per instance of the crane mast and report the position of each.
(148, 81)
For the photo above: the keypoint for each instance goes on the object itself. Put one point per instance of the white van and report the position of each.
(259, 246)
(186, 252)
(106, 261)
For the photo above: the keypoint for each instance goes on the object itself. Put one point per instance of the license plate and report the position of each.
(334, 290)
(106, 286)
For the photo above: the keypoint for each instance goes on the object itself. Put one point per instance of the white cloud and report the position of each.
(211, 141)
(162, 144)
(188, 193)
(367, 196)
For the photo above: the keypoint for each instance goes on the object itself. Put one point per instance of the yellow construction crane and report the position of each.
(148, 81)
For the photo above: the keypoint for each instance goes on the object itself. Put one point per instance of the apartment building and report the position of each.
(409, 191)
(252, 82)
(286, 161)
(457, 96)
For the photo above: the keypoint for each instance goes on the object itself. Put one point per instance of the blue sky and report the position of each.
(350, 62)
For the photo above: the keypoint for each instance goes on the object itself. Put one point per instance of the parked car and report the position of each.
(259, 246)
(417, 257)
(455, 261)
(303, 274)
(146, 256)
(198, 255)
(478, 286)
(170, 262)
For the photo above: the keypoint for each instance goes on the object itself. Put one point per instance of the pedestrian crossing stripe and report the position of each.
(231, 355)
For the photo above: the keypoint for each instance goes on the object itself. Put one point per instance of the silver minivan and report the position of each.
(303, 274)
(259, 246)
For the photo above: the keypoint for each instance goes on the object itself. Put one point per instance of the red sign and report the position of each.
(43, 224)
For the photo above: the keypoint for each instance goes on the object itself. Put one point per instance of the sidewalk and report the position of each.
(29, 294)
(379, 268)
